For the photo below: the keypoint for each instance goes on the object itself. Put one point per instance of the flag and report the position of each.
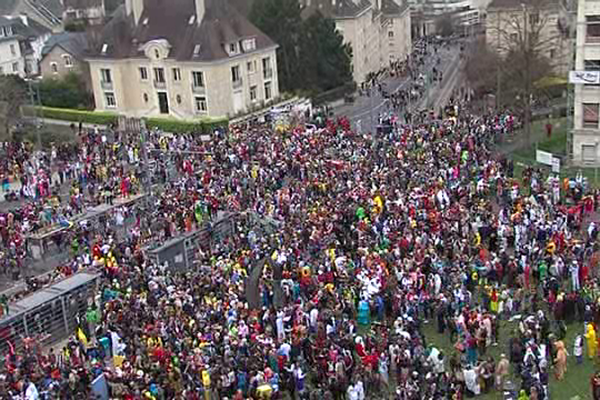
(81, 336)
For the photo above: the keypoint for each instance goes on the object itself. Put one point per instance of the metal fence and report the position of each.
(48, 315)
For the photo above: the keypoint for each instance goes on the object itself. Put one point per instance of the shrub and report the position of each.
(88, 117)
(106, 118)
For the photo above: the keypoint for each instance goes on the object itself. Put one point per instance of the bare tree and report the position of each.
(525, 38)
(13, 92)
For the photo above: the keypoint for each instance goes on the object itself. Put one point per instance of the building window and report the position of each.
(534, 18)
(146, 97)
(110, 100)
(267, 71)
(144, 73)
(590, 115)
(201, 106)
(268, 93)
(552, 53)
(54, 67)
(178, 99)
(198, 78)
(592, 34)
(159, 75)
(249, 45)
(232, 48)
(391, 34)
(253, 93)
(15, 67)
(106, 75)
(68, 61)
(176, 74)
(588, 153)
(591, 65)
(156, 54)
(235, 74)
(251, 66)
(13, 51)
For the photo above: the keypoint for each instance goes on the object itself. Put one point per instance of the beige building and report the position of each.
(64, 53)
(378, 31)
(586, 121)
(183, 59)
(510, 22)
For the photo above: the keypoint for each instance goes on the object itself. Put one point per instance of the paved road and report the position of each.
(361, 110)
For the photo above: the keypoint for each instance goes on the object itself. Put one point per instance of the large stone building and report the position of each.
(378, 31)
(65, 53)
(182, 59)
(21, 42)
(586, 121)
(510, 23)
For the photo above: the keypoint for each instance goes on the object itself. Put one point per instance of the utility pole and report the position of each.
(527, 48)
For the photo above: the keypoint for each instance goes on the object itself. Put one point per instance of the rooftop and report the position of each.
(222, 24)
(75, 43)
(519, 3)
(337, 8)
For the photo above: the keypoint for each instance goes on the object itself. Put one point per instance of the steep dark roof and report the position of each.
(7, 6)
(31, 29)
(391, 7)
(5, 21)
(243, 6)
(222, 24)
(341, 8)
(74, 43)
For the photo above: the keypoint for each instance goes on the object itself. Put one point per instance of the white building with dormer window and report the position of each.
(183, 59)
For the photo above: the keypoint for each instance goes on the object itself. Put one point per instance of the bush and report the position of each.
(68, 92)
(106, 118)
(88, 117)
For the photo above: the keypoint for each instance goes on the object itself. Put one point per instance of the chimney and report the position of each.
(135, 8)
(200, 10)
(24, 19)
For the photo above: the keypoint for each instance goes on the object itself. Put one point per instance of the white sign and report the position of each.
(556, 165)
(586, 77)
(543, 157)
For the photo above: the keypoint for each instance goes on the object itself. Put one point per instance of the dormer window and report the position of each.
(196, 50)
(192, 20)
(156, 54)
(104, 48)
(249, 44)
(233, 48)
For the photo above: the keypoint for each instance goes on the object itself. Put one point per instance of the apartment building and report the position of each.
(509, 22)
(183, 59)
(378, 31)
(586, 122)
(90, 12)
(21, 42)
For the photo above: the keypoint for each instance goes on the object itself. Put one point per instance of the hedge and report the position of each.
(106, 118)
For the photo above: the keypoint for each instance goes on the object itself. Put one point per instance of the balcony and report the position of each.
(198, 89)
(589, 39)
(106, 85)
(237, 84)
(160, 84)
(268, 73)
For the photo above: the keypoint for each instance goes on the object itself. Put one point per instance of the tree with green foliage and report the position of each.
(312, 55)
(281, 21)
(68, 92)
(326, 60)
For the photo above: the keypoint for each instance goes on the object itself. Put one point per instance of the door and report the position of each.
(163, 103)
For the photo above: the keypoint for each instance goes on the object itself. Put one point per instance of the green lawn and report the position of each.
(557, 144)
(577, 378)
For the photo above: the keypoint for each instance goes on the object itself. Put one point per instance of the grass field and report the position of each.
(577, 378)
(557, 145)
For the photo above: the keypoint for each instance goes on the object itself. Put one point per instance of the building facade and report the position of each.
(509, 22)
(186, 59)
(64, 53)
(45, 12)
(378, 31)
(21, 41)
(586, 122)
(90, 12)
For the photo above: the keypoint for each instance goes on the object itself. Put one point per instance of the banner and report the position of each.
(100, 388)
(585, 77)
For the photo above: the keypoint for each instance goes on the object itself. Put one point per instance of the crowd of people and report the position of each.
(385, 240)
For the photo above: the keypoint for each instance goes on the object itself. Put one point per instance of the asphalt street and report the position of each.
(365, 107)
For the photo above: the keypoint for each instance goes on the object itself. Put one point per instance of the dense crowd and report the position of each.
(383, 238)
